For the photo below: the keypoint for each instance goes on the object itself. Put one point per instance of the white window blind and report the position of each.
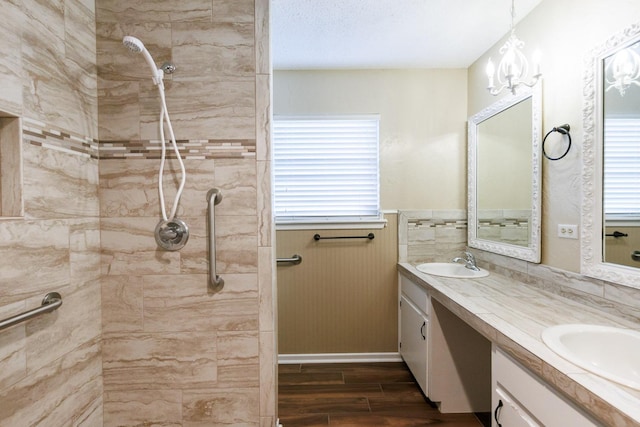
(622, 168)
(326, 168)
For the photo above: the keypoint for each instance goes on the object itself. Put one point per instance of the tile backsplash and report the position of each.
(439, 235)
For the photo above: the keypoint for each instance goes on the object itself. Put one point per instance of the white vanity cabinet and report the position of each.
(449, 360)
(413, 330)
(519, 398)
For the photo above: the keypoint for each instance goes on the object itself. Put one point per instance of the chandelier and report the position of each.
(623, 70)
(513, 67)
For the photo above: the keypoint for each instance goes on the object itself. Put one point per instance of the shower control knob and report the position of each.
(172, 235)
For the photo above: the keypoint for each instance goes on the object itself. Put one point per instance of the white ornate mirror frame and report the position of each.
(532, 251)
(592, 216)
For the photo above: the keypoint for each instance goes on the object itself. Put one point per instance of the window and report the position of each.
(621, 169)
(326, 169)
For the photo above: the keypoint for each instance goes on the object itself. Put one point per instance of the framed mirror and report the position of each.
(611, 161)
(504, 176)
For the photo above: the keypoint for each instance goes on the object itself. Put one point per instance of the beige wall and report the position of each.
(172, 349)
(565, 31)
(422, 126)
(51, 367)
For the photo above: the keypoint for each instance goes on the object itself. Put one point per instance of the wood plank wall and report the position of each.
(342, 297)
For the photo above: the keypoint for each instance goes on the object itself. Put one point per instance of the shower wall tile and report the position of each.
(203, 313)
(122, 298)
(119, 115)
(236, 180)
(160, 360)
(237, 244)
(117, 64)
(62, 390)
(266, 222)
(13, 358)
(234, 11)
(149, 294)
(222, 109)
(84, 250)
(213, 49)
(92, 415)
(78, 321)
(238, 348)
(25, 244)
(268, 312)
(145, 262)
(268, 373)
(129, 188)
(153, 11)
(237, 406)
(11, 57)
(59, 185)
(263, 41)
(263, 117)
(51, 371)
(55, 88)
(80, 36)
(133, 408)
(194, 287)
(128, 235)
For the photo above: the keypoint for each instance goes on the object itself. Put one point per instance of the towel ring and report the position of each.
(564, 130)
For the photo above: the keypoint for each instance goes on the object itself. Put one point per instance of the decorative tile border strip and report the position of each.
(191, 149)
(436, 223)
(41, 135)
(38, 134)
(504, 222)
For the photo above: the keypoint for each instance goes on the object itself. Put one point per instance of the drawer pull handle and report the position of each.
(495, 413)
(424, 337)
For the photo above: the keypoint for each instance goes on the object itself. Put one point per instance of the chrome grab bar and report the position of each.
(51, 302)
(295, 260)
(213, 198)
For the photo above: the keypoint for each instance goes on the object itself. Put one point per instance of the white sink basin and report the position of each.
(450, 269)
(612, 353)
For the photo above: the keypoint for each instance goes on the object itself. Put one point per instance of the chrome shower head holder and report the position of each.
(172, 235)
(168, 67)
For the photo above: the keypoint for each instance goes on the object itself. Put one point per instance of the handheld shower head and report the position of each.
(135, 45)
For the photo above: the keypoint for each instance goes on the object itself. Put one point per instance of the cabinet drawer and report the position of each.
(415, 293)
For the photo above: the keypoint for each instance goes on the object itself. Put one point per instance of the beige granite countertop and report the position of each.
(513, 315)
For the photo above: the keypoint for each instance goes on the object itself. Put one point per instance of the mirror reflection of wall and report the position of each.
(621, 165)
(504, 175)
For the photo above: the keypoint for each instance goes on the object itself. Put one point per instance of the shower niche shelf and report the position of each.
(11, 203)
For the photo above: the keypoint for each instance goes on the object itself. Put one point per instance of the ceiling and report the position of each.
(350, 34)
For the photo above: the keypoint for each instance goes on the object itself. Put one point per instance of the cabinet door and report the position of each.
(508, 412)
(414, 328)
(527, 400)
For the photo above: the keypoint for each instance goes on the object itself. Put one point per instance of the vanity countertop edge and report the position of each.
(513, 314)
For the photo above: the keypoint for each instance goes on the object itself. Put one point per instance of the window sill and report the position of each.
(331, 225)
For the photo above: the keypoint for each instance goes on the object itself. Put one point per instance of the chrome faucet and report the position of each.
(469, 261)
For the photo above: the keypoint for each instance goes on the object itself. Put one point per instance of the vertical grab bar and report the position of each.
(213, 198)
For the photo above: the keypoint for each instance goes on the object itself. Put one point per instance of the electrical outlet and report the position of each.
(568, 231)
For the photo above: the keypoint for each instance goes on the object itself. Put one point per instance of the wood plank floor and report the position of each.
(359, 394)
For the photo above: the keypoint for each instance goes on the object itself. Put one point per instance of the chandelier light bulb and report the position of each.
(623, 71)
(513, 68)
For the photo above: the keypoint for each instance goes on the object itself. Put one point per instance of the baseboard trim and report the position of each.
(288, 359)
